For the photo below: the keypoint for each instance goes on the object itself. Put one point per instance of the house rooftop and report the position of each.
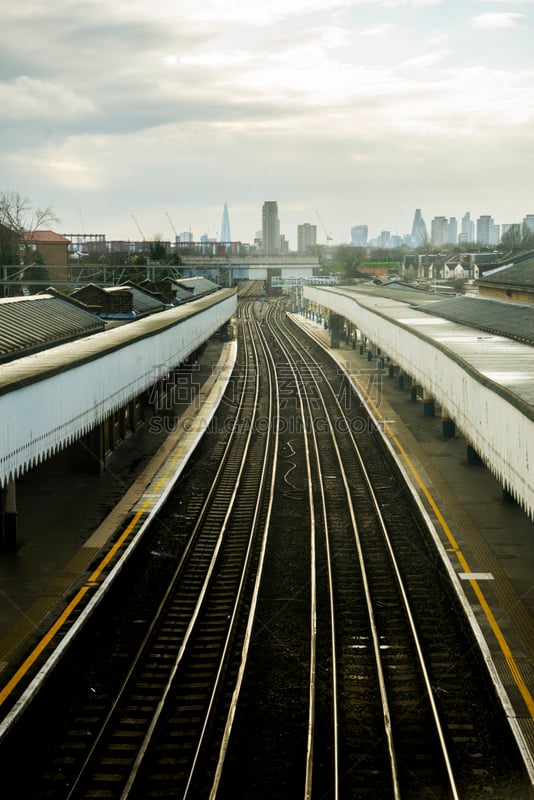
(46, 236)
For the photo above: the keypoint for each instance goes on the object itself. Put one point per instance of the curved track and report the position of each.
(176, 688)
(302, 640)
(366, 669)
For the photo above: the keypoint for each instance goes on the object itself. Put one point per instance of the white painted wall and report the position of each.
(500, 430)
(42, 415)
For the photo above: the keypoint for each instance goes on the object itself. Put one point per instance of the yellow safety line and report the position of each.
(91, 583)
(118, 544)
(512, 665)
(8, 688)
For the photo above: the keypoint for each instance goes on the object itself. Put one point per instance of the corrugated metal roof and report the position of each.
(181, 293)
(56, 359)
(143, 302)
(520, 274)
(166, 288)
(504, 360)
(513, 320)
(199, 284)
(494, 316)
(29, 324)
(394, 289)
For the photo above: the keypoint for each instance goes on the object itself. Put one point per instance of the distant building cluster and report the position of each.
(52, 249)
(443, 231)
(267, 241)
(270, 241)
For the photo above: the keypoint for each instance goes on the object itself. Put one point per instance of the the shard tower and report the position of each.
(226, 235)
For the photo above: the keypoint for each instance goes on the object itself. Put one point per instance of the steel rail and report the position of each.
(161, 705)
(268, 458)
(274, 399)
(242, 403)
(313, 472)
(402, 590)
(368, 595)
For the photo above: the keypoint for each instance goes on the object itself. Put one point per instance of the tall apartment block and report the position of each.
(438, 231)
(468, 229)
(488, 233)
(358, 235)
(270, 228)
(452, 231)
(306, 237)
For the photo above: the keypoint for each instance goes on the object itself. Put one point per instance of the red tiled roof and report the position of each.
(45, 236)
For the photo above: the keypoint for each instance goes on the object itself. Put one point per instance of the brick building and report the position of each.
(53, 250)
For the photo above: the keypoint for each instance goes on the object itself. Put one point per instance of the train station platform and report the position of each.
(488, 539)
(64, 517)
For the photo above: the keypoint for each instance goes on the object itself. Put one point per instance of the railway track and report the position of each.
(306, 643)
(175, 691)
(367, 673)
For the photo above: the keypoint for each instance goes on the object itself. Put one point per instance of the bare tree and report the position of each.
(518, 237)
(18, 221)
(157, 248)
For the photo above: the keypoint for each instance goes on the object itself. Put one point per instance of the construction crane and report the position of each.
(328, 235)
(139, 228)
(172, 226)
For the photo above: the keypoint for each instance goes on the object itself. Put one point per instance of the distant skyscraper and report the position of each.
(358, 235)
(468, 228)
(419, 232)
(270, 228)
(452, 231)
(438, 231)
(306, 236)
(487, 230)
(226, 235)
(528, 220)
(383, 239)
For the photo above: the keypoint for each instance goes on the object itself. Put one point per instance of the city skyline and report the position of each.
(347, 112)
(441, 230)
(275, 226)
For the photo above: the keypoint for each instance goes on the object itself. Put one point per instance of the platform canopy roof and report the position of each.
(499, 317)
(33, 323)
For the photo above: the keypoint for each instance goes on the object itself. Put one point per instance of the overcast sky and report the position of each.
(346, 112)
